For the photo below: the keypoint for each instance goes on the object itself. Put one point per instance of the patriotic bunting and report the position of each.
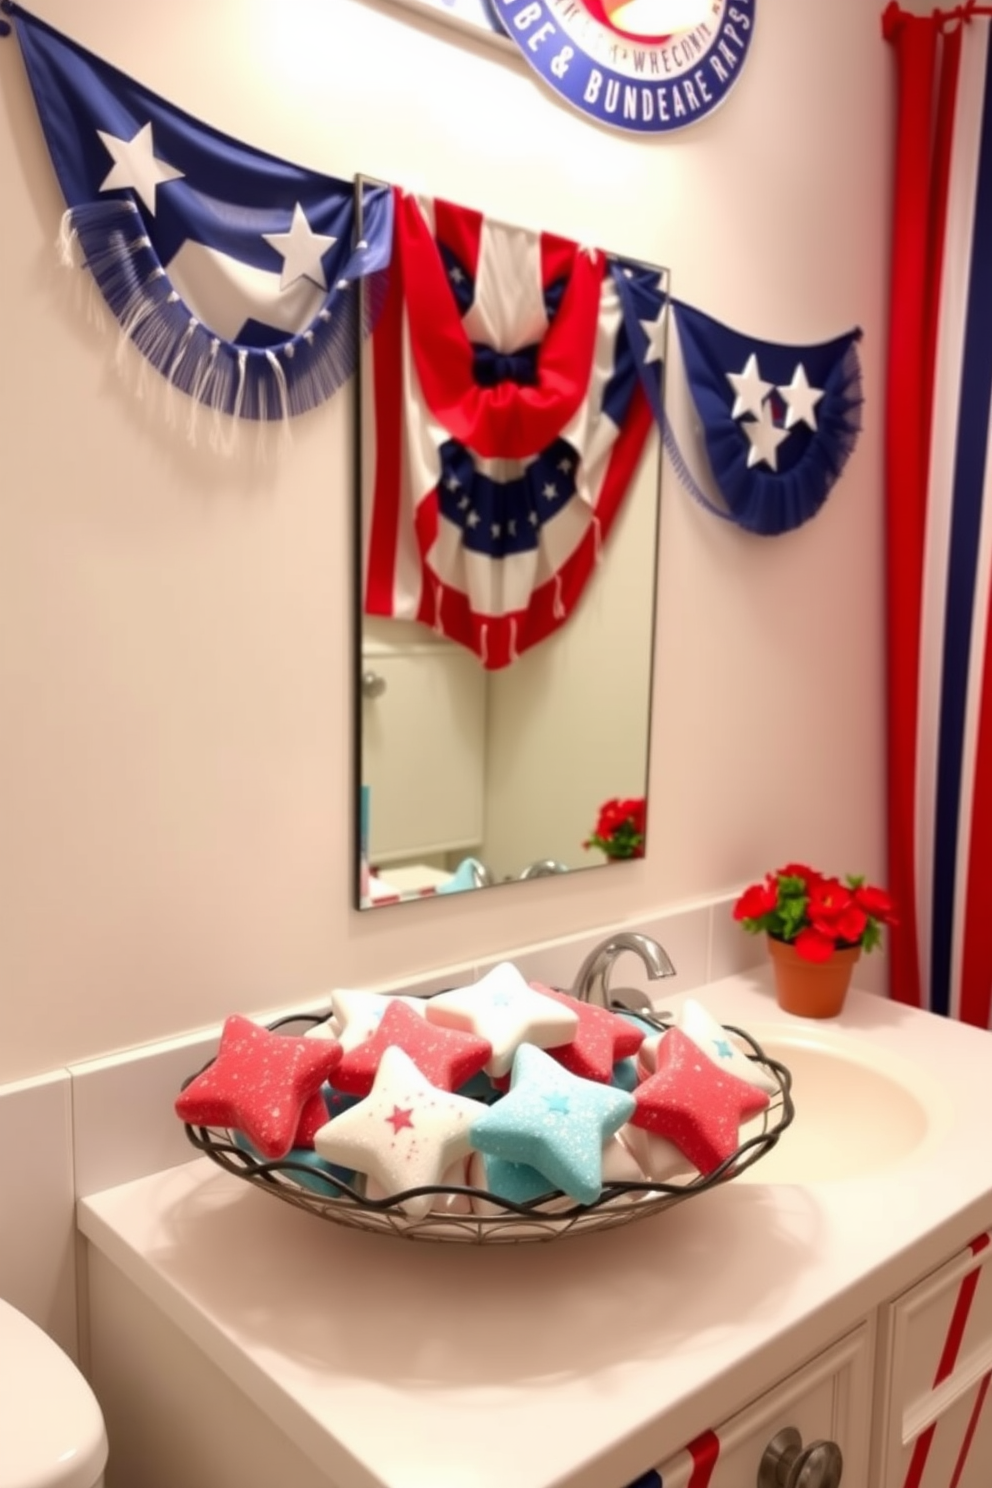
(504, 418)
(774, 424)
(232, 271)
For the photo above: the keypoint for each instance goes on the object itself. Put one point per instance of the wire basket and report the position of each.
(550, 1217)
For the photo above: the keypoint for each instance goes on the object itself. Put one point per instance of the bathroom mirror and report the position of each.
(505, 600)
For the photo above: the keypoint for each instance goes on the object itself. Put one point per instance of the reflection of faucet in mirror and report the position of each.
(543, 868)
(592, 980)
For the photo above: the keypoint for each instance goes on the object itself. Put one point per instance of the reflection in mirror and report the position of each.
(509, 483)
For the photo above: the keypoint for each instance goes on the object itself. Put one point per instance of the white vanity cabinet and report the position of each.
(816, 1422)
(423, 747)
(934, 1426)
(235, 1341)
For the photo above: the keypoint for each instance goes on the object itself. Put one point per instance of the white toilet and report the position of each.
(51, 1429)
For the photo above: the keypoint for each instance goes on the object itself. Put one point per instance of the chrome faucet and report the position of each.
(543, 868)
(592, 981)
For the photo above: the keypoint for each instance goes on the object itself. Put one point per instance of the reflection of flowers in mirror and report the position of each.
(815, 914)
(620, 828)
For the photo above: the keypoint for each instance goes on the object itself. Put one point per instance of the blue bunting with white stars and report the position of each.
(778, 422)
(235, 273)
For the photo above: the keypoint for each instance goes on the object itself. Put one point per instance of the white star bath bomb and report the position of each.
(357, 1015)
(717, 1044)
(404, 1134)
(502, 1008)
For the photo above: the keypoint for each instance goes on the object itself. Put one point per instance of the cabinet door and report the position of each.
(423, 746)
(935, 1357)
(829, 1399)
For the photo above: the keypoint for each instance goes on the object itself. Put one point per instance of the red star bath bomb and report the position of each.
(599, 1041)
(447, 1057)
(259, 1083)
(695, 1104)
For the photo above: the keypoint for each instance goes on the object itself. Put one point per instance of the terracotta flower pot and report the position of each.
(811, 989)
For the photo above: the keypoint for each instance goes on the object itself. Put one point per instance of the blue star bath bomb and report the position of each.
(553, 1121)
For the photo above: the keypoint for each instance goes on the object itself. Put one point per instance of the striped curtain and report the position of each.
(939, 513)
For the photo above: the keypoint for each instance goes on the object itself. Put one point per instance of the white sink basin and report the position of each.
(859, 1110)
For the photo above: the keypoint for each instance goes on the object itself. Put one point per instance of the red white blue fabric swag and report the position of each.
(232, 271)
(504, 417)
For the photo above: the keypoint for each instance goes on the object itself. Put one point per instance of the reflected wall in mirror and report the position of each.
(509, 492)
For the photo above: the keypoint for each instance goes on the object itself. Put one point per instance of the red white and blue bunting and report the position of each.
(771, 426)
(237, 274)
(234, 273)
(505, 421)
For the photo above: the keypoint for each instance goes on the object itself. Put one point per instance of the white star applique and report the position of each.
(302, 250)
(137, 166)
(765, 436)
(801, 398)
(749, 389)
(654, 330)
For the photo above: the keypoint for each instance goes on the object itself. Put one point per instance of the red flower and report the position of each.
(812, 945)
(833, 912)
(876, 903)
(760, 899)
(803, 907)
(809, 876)
(620, 828)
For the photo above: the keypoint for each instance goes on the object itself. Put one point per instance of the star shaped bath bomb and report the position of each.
(406, 1133)
(260, 1083)
(358, 1014)
(717, 1044)
(448, 1057)
(302, 251)
(601, 1039)
(693, 1104)
(136, 166)
(502, 1008)
(554, 1121)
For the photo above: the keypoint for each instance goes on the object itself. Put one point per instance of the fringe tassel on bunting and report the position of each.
(259, 383)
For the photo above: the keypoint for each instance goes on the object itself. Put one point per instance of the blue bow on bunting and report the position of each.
(778, 422)
(235, 273)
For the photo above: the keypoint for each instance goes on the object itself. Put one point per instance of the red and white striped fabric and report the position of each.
(502, 421)
(953, 1450)
(939, 515)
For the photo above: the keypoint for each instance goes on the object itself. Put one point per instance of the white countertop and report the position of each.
(575, 1364)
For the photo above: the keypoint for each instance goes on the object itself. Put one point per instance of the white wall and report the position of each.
(175, 745)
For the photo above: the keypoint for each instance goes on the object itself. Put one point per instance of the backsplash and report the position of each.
(110, 1120)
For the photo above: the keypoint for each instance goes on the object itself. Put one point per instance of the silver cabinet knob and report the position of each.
(788, 1464)
(373, 685)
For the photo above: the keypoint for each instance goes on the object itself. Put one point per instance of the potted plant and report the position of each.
(816, 929)
(620, 828)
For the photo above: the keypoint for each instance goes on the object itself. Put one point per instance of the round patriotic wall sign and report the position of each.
(644, 84)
